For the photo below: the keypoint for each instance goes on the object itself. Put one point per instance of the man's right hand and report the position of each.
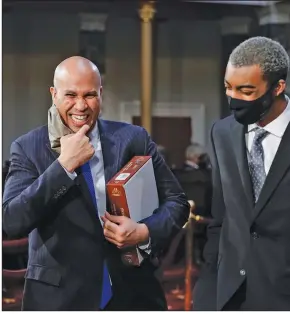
(76, 149)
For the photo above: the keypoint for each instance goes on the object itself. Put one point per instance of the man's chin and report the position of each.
(75, 127)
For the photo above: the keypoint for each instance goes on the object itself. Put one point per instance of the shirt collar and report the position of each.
(278, 126)
(94, 133)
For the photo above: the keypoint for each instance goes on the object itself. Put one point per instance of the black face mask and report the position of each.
(248, 112)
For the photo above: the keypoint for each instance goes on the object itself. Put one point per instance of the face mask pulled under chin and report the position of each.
(247, 112)
(56, 128)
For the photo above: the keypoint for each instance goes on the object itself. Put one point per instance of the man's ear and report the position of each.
(52, 92)
(280, 87)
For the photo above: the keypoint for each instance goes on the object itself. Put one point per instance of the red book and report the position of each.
(133, 193)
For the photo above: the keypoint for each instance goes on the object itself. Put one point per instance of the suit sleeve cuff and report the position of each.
(72, 175)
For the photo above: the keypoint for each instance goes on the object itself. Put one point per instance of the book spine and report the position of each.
(117, 196)
(119, 207)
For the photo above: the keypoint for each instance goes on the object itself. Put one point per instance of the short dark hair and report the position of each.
(268, 54)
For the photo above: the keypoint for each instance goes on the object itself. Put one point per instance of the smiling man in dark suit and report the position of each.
(55, 192)
(247, 252)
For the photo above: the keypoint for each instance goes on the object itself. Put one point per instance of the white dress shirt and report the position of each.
(270, 144)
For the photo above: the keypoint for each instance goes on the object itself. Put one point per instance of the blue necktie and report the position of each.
(106, 288)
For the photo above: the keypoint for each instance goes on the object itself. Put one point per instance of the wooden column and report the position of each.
(146, 14)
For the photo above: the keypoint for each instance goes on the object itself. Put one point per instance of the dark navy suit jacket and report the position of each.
(66, 242)
(247, 253)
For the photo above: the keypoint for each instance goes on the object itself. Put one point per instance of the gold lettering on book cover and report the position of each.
(116, 192)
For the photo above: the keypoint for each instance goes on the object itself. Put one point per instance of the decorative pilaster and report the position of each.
(146, 13)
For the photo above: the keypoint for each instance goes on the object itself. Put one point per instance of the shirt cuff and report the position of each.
(72, 175)
(146, 247)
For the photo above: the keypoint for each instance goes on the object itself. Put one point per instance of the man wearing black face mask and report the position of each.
(248, 253)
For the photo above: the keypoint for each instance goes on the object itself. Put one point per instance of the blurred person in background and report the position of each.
(193, 154)
(56, 193)
(247, 252)
(204, 162)
(197, 170)
(196, 181)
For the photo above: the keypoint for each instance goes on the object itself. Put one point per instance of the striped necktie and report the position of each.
(106, 288)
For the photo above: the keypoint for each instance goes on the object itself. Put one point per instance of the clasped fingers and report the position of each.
(115, 234)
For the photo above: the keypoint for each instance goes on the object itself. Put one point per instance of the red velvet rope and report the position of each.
(15, 243)
(13, 274)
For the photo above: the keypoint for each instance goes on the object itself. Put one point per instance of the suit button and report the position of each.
(55, 196)
(242, 272)
(255, 235)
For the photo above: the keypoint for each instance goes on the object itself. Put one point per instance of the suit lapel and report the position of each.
(279, 166)
(81, 183)
(110, 150)
(239, 145)
(53, 153)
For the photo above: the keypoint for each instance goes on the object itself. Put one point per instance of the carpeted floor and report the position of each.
(175, 298)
